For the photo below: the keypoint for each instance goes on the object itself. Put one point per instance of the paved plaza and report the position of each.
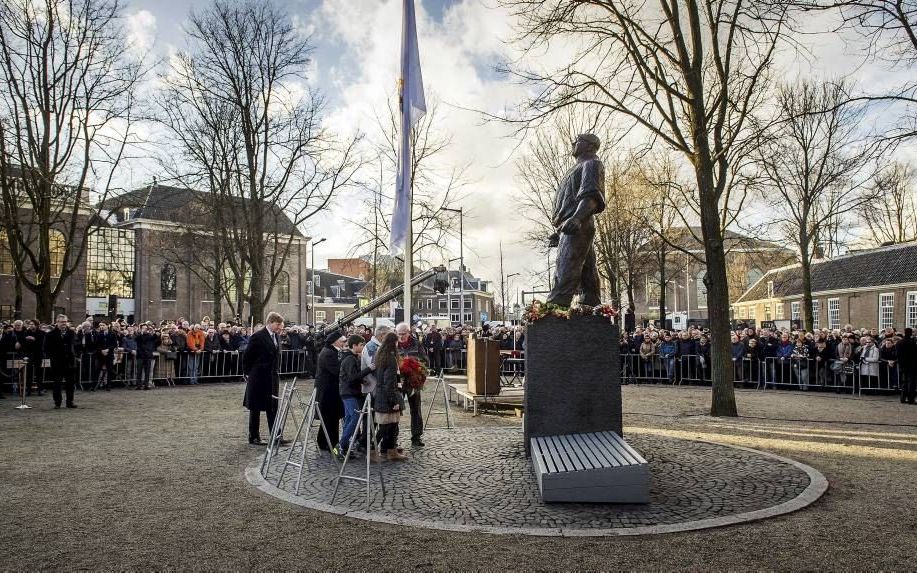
(479, 479)
(158, 480)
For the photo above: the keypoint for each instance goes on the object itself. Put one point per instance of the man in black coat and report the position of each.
(327, 391)
(907, 366)
(59, 350)
(147, 342)
(260, 364)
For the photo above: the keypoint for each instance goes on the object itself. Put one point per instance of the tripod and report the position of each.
(307, 423)
(440, 385)
(366, 414)
(283, 409)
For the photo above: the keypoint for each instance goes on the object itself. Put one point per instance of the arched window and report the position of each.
(283, 287)
(167, 282)
(57, 245)
(6, 257)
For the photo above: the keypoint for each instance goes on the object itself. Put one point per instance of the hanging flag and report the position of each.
(413, 107)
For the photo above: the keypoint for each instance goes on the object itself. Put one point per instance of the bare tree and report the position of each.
(892, 217)
(436, 188)
(689, 74)
(67, 106)
(889, 28)
(251, 134)
(813, 159)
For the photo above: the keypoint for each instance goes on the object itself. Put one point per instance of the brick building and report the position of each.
(873, 288)
(747, 260)
(168, 228)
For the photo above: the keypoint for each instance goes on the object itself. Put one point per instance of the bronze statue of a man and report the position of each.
(580, 197)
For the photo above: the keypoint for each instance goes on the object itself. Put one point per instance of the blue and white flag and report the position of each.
(413, 107)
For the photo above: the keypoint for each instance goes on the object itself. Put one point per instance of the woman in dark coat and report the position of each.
(388, 400)
(328, 396)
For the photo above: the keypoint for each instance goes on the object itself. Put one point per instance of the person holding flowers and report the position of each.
(388, 399)
(409, 346)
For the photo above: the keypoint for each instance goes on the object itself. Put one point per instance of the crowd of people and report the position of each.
(837, 358)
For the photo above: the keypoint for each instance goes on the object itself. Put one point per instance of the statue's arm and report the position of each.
(587, 207)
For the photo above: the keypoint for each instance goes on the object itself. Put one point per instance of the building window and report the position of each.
(701, 290)
(318, 280)
(652, 291)
(6, 257)
(319, 316)
(816, 309)
(751, 312)
(886, 310)
(442, 304)
(743, 312)
(794, 311)
(57, 247)
(834, 313)
(167, 282)
(6, 311)
(283, 287)
(454, 304)
(429, 304)
(767, 312)
(468, 319)
(778, 311)
(110, 263)
(454, 318)
(770, 289)
(468, 304)
(338, 314)
(910, 318)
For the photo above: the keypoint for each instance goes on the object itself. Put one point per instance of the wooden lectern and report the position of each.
(484, 367)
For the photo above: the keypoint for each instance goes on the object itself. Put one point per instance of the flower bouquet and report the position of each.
(413, 372)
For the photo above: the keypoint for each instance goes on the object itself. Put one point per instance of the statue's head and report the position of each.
(586, 143)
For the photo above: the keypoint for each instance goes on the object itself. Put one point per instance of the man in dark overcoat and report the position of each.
(59, 350)
(260, 364)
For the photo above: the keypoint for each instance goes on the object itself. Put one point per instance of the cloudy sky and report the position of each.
(355, 66)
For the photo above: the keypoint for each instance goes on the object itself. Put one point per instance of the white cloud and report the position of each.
(141, 31)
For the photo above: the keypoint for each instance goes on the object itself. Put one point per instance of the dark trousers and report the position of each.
(908, 386)
(416, 415)
(576, 267)
(388, 437)
(64, 379)
(144, 371)
(254, 421)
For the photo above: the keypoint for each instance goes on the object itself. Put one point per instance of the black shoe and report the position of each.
(416, 442)
(57, 406)
(257, 442)
(72, 406)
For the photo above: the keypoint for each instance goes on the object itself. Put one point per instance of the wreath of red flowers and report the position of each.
(539, 310)
(413, 372)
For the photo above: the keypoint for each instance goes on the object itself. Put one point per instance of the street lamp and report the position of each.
(503, 293)
(461, 264)
(449, 295)
(312, 286)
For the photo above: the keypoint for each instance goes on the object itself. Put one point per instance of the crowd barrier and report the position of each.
(91, 371)
(772, 372)
(122, 368)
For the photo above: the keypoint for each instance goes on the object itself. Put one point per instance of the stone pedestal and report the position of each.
(572, 377)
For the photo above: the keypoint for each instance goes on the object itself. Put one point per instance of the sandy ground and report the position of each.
(144, 480)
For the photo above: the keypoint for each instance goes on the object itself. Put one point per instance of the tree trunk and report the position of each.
(44, 302)
(808, 319)
(662, 289)
(723, 401)
(17, 302)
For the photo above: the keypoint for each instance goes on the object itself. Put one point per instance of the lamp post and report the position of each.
(461, 264)
(449, 295)
(312, 286)
(503, 293)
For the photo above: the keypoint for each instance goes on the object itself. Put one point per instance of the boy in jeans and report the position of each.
(350, 387)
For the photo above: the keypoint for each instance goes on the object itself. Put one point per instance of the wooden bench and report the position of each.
(590, 467)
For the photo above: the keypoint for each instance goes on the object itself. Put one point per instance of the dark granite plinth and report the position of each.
(572, 377)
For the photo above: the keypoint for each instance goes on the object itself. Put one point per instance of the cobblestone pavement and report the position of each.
(480, 478)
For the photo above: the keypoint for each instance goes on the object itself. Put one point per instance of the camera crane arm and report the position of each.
(440, 284)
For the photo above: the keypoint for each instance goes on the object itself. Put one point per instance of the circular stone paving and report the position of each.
(480, 480)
